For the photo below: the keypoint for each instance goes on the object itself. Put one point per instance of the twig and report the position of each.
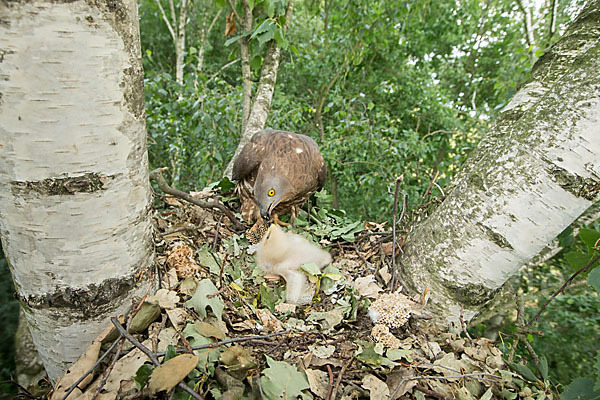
(26, 393)
(150, 355)
(432, 393)
(463, 325)
(394, 273)
(328, 397)
(360, 255)
(339, 378)
(156, 176)
(563, 287)
(234, 340)
(180, 229)
(92, 368)
(428, 191)
(437, 377)
(214, 245)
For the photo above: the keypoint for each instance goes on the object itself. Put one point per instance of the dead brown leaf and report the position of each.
(169, 374)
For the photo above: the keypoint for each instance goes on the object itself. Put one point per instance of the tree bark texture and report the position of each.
(534, 173)
(74, 191)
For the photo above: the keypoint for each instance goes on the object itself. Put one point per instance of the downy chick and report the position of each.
(282, 253)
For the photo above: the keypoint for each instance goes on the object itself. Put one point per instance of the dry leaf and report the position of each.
(208, 330)
(318, 382)
(128, 365)
(80, 366)
(169, 374)
(230, 26)
(166, 299)
(367, 287)
(268, 320)
(285, 307)
(377, 388)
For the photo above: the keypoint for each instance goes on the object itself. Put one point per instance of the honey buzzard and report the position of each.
(277, 171)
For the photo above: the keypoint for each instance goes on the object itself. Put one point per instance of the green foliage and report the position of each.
(581, 389)
(205, 296)
(191, 131)
(9, 309)
(282, 381)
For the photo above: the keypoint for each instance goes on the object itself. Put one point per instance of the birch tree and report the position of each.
(534, 173)
(256, 106)
(74, 190)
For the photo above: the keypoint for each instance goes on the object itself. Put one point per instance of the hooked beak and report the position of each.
(266, 214)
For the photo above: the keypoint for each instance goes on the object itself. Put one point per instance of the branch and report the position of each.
(156, 176)
(150, 355)
(164, 16)
(563, 287)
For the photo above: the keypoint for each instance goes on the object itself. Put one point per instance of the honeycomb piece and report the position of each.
(257, 231)
(381, 333)
(391, 309)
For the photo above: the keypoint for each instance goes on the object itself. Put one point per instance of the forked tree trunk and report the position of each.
(74, 190)
(257, 109)
(535, 172)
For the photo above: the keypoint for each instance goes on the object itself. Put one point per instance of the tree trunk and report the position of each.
(534, 173)
(74, 191)
(261, 104)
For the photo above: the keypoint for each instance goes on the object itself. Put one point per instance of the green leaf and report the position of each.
(589, 237)
(311, 269)
(207, 258)
(294, 49)
(577, 259)
(200, 300)
(597, 366)
(269, 297)
(235, 38)
(267, 25)
(170, 352)
(142, 375)
(594, 279)
(282, 381)
(148, 313)
(524, 371)
(581, 389)
(543, 367)
(209, 356)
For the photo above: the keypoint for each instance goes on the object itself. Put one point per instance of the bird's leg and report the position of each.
(272, 277)
(278, 222)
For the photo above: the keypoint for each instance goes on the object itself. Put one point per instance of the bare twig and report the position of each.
(24, 391)
(234, 340)
(328, 397)
(462, 324)
(229, 64)
(156, 176)
(339, 378)
(563, 287)
(150, 355)
(394, 223)
(432, 393)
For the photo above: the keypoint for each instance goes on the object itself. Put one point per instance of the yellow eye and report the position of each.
(271, 193)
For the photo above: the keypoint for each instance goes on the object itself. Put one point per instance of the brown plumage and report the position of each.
(277, 171)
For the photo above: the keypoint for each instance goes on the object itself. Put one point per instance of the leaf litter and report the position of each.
(219, 328)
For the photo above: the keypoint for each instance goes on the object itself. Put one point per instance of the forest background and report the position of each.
(386, 88)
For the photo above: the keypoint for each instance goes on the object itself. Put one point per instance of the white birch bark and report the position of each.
(535, 172)
(74, 190)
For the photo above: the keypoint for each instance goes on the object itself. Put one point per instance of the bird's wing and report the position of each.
(250, 156)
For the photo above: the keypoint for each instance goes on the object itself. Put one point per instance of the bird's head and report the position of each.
(270, 189)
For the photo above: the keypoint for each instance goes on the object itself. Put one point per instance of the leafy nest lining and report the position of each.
(217, 329)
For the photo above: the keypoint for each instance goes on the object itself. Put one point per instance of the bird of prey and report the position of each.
(277, 171)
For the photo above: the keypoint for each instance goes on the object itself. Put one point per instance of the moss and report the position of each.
(495, 237)
(471, 295)
(90, 301)
(578, 186)
(87, 183)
